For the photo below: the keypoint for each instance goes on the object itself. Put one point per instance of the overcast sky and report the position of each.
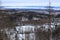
(20, 3)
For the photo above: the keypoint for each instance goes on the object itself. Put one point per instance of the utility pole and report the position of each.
(49, 10)
(50, 31)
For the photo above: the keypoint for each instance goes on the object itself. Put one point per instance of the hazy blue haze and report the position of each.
(29, 3)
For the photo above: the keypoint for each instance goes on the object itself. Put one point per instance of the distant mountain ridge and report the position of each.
(30, 7)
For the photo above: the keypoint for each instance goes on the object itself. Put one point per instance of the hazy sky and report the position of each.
(29, 2)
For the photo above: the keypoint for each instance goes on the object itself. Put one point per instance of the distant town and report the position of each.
(29, 24)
